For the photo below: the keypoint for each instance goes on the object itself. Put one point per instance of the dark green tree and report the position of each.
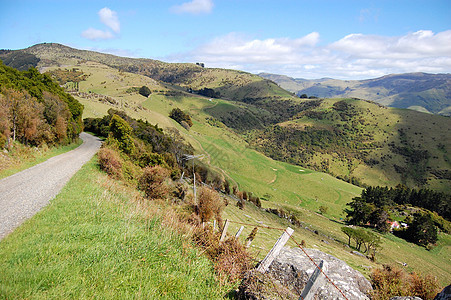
(360, 211)
(145, 91)
(422, 229)
(379, 218)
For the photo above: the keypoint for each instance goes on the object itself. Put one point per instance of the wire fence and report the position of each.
(302, 249)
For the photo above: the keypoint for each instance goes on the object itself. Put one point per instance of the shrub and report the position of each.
(240, 204)
(391, 281)
(230, 258)
(152, 182)
(110, 162)
(323, 209)
(232, 261)
(120, 132)
(144, 91)
(210, 204)
(131, 172)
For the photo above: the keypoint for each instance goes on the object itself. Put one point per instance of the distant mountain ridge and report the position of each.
(230, 84)
(419, 91)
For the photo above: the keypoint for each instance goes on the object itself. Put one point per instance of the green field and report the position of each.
(279, 184)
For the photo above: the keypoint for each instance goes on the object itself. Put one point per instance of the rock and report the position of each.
(289, 272)
(358, 253)
(445, 294)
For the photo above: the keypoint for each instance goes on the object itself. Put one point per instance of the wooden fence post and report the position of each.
(266, 262)
(224, 230)
(239, 232)
(314, 282)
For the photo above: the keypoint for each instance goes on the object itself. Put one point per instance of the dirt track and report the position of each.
(25, 193)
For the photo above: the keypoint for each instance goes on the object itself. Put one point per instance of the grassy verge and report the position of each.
(24, 157)
(95, 241)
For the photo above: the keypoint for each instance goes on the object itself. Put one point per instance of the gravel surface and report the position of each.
(25, 193)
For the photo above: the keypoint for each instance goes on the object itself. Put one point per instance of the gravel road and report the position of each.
(25, 193)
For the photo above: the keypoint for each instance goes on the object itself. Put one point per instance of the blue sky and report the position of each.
(305, 39)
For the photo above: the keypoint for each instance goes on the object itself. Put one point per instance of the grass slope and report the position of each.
(94, 241)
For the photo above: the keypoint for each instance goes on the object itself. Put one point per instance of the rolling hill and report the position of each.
(418, 91)
(358, 141)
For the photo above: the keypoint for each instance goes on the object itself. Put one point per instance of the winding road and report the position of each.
(25, 193)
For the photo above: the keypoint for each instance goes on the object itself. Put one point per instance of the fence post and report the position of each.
(239, 232)
(272, 254)
(224, 230)
(314, 282)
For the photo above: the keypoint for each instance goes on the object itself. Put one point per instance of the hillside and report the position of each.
(227, 133)
(418, 91)
(231, 84)
(357, 141)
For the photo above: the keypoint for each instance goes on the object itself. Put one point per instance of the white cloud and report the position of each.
(96, 34)
(109, 18)
(355, 56)
(193, 7)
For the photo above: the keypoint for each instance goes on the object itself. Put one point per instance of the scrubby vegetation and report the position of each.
(152, 175)
(181, 117)
(35, 110)
(392, 281)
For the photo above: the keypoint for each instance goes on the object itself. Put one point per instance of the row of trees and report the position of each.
(364, 238)
(400, 195)
(373, 208)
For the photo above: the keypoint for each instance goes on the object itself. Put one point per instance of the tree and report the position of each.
(360, 211)
(349, 233)
(145, 91)
(379, 218)
(120, 133)
(179, 116)
(422, 229)
(323, 209)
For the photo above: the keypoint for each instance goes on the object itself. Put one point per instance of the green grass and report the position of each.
(24, 157)
(92, 241)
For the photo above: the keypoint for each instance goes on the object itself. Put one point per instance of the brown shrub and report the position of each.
(110, 162)
(232, 261)
(230, 258)
(210, 204)
(152, 182)
(426, 287)
(392, 281)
